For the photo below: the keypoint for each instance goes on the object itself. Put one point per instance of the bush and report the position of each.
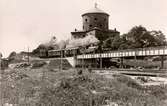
(64, 88)
(128, 81)
(158, 91)
(22, 65)
(79, 72)
(38, 64)
(143, 79)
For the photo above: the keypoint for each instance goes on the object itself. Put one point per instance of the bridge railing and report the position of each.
(137, 49)
(150, 51)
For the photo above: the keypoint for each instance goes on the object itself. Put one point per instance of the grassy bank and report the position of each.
(48, 87)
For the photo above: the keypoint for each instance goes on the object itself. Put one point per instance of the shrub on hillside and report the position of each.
(22, 65)
(142, 79)
(128, 81)
(66, 94)
(38, 64)
(79, 72)
(64, 88)
(158, 91)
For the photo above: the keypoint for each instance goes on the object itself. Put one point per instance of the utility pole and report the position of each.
(28, 58)
(0, 60)
(83, 59)
(101, 51)
(61, 61)
(82, 56)
(1, 75)
(75, 58)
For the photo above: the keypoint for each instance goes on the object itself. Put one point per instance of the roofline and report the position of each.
(109, 30)
(95, 13)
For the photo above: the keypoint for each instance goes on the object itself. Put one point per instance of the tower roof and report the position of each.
(95, 10)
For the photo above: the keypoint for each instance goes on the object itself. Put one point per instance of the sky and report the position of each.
(27, 23)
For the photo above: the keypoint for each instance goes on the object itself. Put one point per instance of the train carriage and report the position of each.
(71, 52)
(43, 53)
(56, 53)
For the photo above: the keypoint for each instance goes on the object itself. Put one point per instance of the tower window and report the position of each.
(95, 19)
(86, 20)
(105, 19)
(90, 25)
(83, 27)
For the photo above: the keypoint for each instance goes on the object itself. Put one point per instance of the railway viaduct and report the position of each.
(141, 52)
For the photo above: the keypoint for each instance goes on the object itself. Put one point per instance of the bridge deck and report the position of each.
(157, 51)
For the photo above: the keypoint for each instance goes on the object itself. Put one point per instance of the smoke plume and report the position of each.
(86, 41)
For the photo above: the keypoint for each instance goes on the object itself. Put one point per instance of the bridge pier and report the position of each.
(101, 63)
(162, 62)
(121, 62)
(135, 60)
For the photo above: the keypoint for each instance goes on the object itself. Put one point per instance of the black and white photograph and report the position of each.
(83, 52)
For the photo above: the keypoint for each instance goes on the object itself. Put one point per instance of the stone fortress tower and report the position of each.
(95, 18)
(95, 22)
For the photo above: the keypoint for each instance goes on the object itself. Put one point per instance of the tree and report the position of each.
(113, 42)
(159, 38)
(12, 56)
(1, 55)
(108, 42)
(139, 37)
(117, 41)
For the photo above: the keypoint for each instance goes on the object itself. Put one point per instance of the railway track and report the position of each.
(134, 72)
